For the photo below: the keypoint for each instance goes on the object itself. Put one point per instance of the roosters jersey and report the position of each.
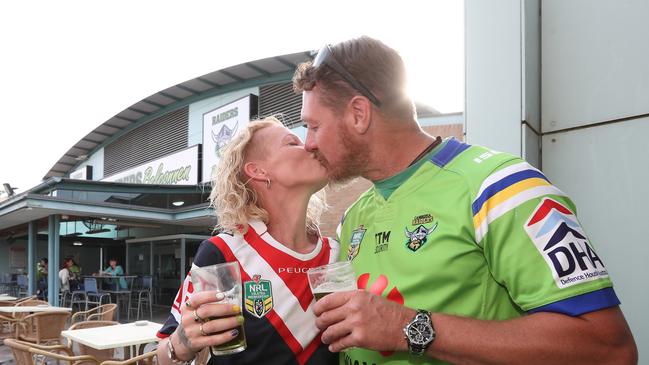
(279, 321)
(471, 232)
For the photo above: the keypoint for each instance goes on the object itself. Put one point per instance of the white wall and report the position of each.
(595, 56)
(493, 58)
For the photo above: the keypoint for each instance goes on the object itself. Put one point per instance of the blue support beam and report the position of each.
(53, 249)
(31, 257)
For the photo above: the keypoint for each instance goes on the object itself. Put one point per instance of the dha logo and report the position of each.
(561, 241)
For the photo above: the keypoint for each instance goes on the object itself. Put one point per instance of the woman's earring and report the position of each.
(268, 183)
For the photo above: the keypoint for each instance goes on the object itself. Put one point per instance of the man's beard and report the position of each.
(353, 159)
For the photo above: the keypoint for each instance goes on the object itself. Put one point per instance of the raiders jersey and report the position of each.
(471, 232)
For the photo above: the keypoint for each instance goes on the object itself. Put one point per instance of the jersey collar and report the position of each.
(262, 231)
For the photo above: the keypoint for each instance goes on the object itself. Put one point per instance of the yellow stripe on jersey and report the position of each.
(504, 195)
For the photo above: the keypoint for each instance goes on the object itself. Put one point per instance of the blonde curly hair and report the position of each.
(234, 202)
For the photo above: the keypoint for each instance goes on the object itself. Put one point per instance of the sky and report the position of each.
(68, 66)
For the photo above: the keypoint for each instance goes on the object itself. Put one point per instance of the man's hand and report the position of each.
(361, 319)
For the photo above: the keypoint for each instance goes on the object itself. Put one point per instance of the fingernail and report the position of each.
(236, 308)
(220, 296)
(240, 319)
(234, 333)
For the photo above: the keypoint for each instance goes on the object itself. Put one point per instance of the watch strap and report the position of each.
(414, 348)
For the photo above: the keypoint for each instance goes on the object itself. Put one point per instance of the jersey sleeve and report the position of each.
(535, 245)
(208, 254)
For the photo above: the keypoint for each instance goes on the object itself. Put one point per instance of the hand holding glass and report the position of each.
(331, 278)
(225, 278)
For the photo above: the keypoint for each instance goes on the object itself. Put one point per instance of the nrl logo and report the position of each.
(258, 296)
(355, 242)
(418, 237)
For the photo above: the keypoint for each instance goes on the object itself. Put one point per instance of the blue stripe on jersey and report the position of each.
(581, 304)
(503, 184)
(452, 148)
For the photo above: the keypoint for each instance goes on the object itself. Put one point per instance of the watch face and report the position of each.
(420, 333)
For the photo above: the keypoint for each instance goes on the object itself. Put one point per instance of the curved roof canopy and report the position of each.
(265, 71)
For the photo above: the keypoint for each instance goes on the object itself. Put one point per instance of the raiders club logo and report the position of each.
(561, 241)
(258, 296)
(419, 236)
(355, 242)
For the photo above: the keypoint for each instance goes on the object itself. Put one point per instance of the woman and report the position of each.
(115, 270)
(265, 198)
(64, 276)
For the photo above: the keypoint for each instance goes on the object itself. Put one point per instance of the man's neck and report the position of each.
(395, 151)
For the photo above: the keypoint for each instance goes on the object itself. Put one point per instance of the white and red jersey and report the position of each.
(277, 301)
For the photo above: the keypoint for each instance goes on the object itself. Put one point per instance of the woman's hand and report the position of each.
(205, 322)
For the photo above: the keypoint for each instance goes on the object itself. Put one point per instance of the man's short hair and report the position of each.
(377, 66)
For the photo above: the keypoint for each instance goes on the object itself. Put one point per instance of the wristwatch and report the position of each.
(419, 333)
(171, 353)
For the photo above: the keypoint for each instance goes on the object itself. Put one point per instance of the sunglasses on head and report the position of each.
(326, 57)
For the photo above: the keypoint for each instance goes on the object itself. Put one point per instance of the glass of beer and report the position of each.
(225, 278)
(330, 278)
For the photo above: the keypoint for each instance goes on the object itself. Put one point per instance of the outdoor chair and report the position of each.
(28, 303)
(105, 312)
(22, 282)
(147, 359)
(26, 353)
(143, 297)
(7, 325)
(93, 295)
(65, 298)
(100, 355)
(42, 327)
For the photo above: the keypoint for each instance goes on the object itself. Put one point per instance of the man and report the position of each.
(466, 255)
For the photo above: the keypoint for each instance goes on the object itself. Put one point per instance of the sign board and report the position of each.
(180, 168)
(220, 125)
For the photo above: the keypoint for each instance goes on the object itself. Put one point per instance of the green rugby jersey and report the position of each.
(471, 232)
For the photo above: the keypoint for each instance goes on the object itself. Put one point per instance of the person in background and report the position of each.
(64, 275)
(467, 255)
(266, 198)
(75, 274)
(115, 270)
(41, 278)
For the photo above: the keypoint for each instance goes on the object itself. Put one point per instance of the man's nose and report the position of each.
(310, 144)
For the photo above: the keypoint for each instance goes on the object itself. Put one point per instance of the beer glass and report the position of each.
(330, 278)
(225, 278)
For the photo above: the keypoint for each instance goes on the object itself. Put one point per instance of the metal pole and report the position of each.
(151, 258)
(101, 258)
(51, 273)
(57, 257)
(126, 261)
(31, 254)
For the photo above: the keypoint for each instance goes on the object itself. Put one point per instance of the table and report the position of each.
(7, 297)
(118, 292)
(34, 309)
(121, 335)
